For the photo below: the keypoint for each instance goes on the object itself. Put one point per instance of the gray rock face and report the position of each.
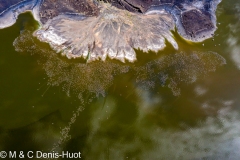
(52, 8)
(97, 29)
(195, 19)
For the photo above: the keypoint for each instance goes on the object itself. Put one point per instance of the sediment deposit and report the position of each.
(100, 29)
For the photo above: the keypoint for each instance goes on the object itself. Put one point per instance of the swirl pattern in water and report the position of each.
(96, 77)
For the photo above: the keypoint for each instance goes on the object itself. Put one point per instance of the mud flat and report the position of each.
(114, 33)
(100, 29)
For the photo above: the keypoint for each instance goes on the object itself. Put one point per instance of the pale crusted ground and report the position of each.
(97, 30)
(114, 33)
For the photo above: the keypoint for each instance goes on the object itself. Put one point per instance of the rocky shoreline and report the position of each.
(97, 30)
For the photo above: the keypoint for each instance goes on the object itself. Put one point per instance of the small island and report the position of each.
(99, 29)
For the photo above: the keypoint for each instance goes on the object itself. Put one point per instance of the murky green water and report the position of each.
(171, 105)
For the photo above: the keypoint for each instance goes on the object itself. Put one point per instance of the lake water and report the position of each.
(181, 104)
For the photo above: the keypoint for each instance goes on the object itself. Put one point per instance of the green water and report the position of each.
(171, 105)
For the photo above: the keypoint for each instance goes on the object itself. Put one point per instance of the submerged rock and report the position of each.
(97, 29)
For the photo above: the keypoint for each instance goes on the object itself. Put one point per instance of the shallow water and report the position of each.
(171, 105)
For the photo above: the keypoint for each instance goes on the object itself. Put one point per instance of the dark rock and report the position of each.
(53, 8)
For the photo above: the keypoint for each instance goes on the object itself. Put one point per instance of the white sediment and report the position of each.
(160, 11)
(36, 11)
(9, 16)
(50, 36)
(114, 34)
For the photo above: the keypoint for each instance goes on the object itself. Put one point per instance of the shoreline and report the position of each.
(114, 33)
(9, 16)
